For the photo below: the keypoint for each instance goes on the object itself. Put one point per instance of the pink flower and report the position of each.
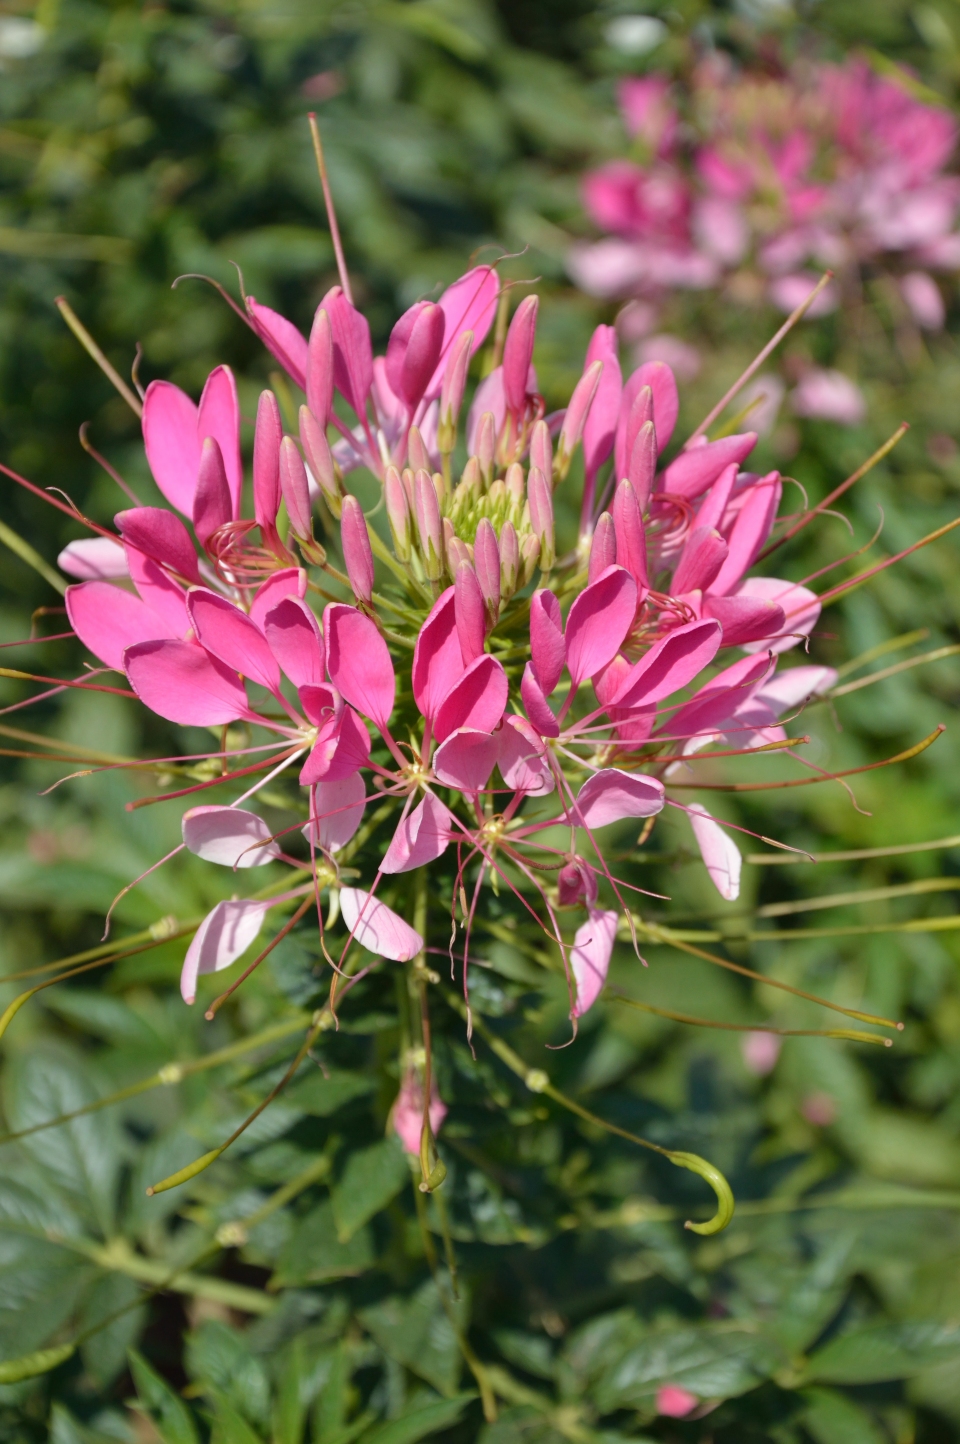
(922, 295)
(829, 396)
(760, 1052)
(674, 1402)
(407, 1115)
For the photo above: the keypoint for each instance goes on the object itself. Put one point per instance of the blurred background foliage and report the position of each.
(143, 141)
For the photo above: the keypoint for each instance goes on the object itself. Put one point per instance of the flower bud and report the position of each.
(266, 463)
(529, 556)
(631, 538)
(518, 353)
(417, 452)
(319, 457)
(398, 513)
(573, 423)
(457, 551)
(320, 368)
(643, 463)
(413, 351)
(509, 559)
(406, 476)
(439, 482)
(295, 489)
(471, 476)
(486, 445)
(427, 510)
(486, 560)
(639, 414)
(515, 484)
(603, 548)
(470, 613)
(355, 541)
(212, 504)
(451, 395)
(540, 501)
(541, 449)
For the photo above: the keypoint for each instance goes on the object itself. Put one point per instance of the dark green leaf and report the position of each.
(832, 1418)
(417, 1423)
(171, 1417)
(371, 1178)
(314, 1252)
(419, 1334)
(218, 1359)
(884, 1351)
(712, 1361)
(322, 1095)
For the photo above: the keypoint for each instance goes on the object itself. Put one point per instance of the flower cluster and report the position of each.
(824, 166)
(483, 689)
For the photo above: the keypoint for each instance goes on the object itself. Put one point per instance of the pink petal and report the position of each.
(601, 423)
(750, 531)
(631, 539)
(358, 663)
(790, 689)
(670, 664)
(229, 634)
(221, 938)
(674, 1402)
(108, 620)
(291, 582)
(183, 683)
(437, 659)
(94, 558)
(294, 637)
(470, 611)
(161, 593)
(600, 618)
(476, 700)
(408, 1113)
(801, 609)
(720, 697)
(610, 795)
(266, 461)
(590, 957)
(171, 442)
(336, 812)
(487, 397)
(466, 759)
(524, 765)
(282, 340)
(538, 708)
(714, 504)
(159, 534)
(719, 852)
(702, 558)
(470, 304)
(694, 470)
(666, 405)
(378, 928)
(547, 647)
(744, 619)
(219, 417)
(342, 744)
(229, 836)
(352, 352)
(420, 838)
(212, 502)
(414, 349)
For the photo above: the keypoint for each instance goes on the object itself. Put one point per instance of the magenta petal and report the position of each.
(744, 619)
(413, 351)
(108, 620)
(420, 838)
(212, 502)
(161, 593)
(610, 795)
(524, 764)
(590, 957)
(466, 760)
(336, 812)
(229, 836)
(291, 582)
(171, 442)
(229, 634)
(352, 352)
(94, 558)
(702, 558)
(629, 531)
(266, 462)
(666, 405)
(719, 852)
(750, 530)
(801, 609)
(538, 708)
(358, 663)
(717, 701)
(378, 928)
(670, 664)
(476, 700)
(219, 416)
(470, 304)
(180, 681)
(221, 938)
(159, 534)
(694, 470)
(790, 689)
(471, 613)
(437, 659)
(282, 340)
(547, 647)
(601, 423)
(600, 618)
(407, 1113)
(342, 743)
(714, 504)
(293, 636)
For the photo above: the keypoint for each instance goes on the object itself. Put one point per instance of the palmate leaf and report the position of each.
(711, 1361)
(418, 1333)
(371, 1178)
(884, 1351)
(314, 1252)
(219, 1360)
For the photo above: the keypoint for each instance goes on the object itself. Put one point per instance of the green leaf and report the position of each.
(290, 1405)
(314, 1253)
(712, 1361)
(320, 1096)
(418, 1333)
(884, 1351)
(171, 1417)
(40, 1284)
(809, 1303)
(372, 1177)
(105, 1351)
(832, 1418)
(229, 1425)
(417, 1423)
(218, 1358)
(531, 1352)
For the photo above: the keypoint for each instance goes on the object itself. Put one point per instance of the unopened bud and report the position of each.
(319, 458)
(440, 483)
(470, 613)
(540, 501)
(457, 550)
(413, 351)
(427, 511)
(417, 452)
(398, 513)
(515, 484)
(470, 477)
(451, 395)
(541, 449)
(529, 556)
(603, 548)
(486, 560)
(509, 559)
(518, 353)
(573, 423)
(406, 476)
(486, 445)
(355, 541)
(320, 367)
(266, 463)
(643, 463)
(295, 489)
(639, 414)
